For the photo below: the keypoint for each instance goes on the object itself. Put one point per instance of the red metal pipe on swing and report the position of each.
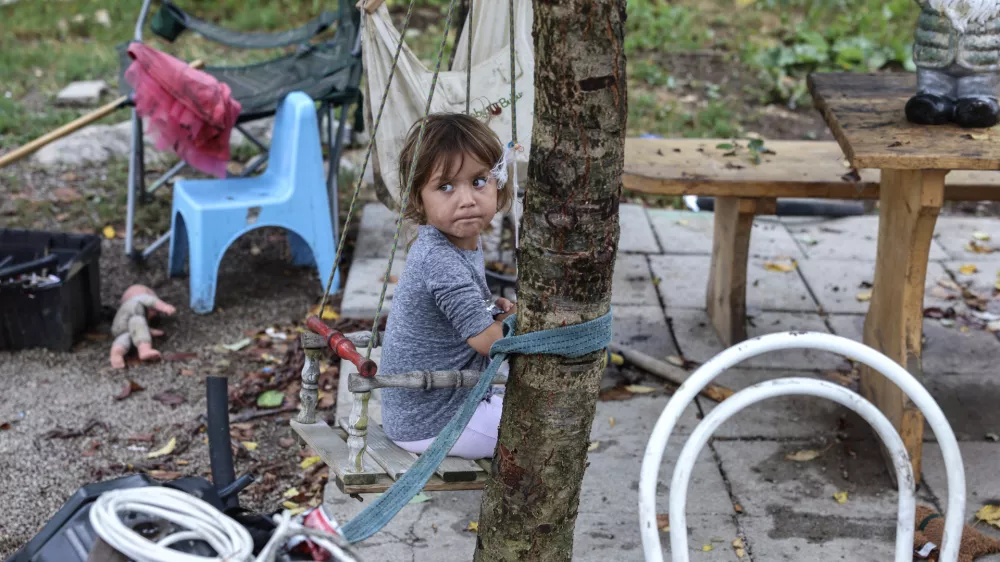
(342, 346)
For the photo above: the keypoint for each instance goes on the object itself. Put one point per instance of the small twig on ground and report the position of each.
(255, 413)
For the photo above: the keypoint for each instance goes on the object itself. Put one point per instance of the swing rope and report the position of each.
(409, 177)
(368, 153)
(468, 61)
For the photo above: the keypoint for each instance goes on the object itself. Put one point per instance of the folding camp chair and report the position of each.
(328, 72)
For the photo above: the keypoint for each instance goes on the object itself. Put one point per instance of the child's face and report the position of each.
(462, 205)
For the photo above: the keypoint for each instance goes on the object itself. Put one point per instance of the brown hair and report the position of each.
(447, 137)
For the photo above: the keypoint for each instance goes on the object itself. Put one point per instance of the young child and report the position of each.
(442, 316)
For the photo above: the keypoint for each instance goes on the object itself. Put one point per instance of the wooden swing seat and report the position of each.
(384, 462)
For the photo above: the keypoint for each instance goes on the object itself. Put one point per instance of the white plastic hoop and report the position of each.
(784, 387)
(657, 444)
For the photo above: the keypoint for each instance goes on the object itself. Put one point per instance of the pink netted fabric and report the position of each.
(189, 111)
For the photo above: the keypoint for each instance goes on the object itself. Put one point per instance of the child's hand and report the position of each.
(506, 306)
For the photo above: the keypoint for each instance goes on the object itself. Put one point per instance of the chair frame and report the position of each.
(139, 193)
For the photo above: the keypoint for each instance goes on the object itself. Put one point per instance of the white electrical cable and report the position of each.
(200, 521)
(230, 540)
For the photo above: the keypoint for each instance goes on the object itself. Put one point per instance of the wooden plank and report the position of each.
(332, 448)
(809, 169)
(727, 278)
(910, 202)
(390, 456)
(865, 112)
(455, 469)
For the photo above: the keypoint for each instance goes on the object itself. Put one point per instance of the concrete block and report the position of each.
(84, 93)
(376, 232)
(954, 234)
(682, 232)
(632, 283)
(851, 238)
(364, 286)
(837, 284)
(643, 328)
(982, 486)
(636, 234)
(684, 282)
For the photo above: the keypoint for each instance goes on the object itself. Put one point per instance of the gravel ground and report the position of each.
(69, 390)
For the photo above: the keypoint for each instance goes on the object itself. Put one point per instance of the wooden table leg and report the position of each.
(909, 204)
(726, 297)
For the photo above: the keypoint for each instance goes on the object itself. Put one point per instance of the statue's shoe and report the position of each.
(929, 109)
(977, 112)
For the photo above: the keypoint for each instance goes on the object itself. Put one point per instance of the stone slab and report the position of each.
(767, 485)
(945, 350)
(376, 232)
(84, 93)
(786, 417)
(837, 285)
(682, 232)
(636, 235)
(969, 402)
(699, 342)
(684, 282)
(364, 286)
(983, 280)
(643, 328)
(791, 535)
(981, 483)
(851, 238)
(954, 233)
(632, 283)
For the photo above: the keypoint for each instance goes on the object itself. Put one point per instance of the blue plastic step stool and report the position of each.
(210, 214)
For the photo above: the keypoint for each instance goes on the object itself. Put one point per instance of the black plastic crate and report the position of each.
(53, 316)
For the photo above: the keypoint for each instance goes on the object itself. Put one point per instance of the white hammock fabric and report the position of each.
(407, 97)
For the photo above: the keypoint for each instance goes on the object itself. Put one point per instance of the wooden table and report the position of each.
(865, 114)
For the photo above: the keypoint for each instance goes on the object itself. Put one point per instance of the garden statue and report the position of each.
(957, 53)
(130, 326)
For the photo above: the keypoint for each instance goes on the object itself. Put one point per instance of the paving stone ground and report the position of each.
(743, 486)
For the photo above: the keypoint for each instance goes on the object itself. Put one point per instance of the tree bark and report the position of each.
(565, 265)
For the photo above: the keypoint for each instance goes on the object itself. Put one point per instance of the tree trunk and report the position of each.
(565, 265)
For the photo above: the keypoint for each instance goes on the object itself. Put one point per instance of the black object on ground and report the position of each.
(50, 288)
(803, 207)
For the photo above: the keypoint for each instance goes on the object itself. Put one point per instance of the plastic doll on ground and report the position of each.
(131, 328)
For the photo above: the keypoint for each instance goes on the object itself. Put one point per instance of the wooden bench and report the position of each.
(742, 190)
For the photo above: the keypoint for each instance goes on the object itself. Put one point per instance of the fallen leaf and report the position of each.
(66, 194)
(808, 240)
(683, 222)
(804, 455)
(179, 356)
(270, 399)
(780, 267)
(326, 400)
(187, 373)
(864, 296)
(611, 422)
(739, 547)
(989, 514)
(169, 397)
(290, 493)
(982, 236)
(968, 269)
(5, 426)
(707, 548)
(250, 445)
(130, 387)
(91, 449)
(236, 346)
(309, 461)
(286, 442)
(675, 360)
(165, 474)
(639, 389)
(663, 522)
(109, 232)
(977, 248)
(841, 497)
(473, 526)
(182, 462)
(328, 313)
(420, 498)
(992, 437)
(737, 508)
(166, 450)
(656, 281)
(939, 292)
(289, 505)
(593, 446)
(949, 284)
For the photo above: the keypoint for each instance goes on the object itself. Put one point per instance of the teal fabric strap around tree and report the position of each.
(568, 341)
